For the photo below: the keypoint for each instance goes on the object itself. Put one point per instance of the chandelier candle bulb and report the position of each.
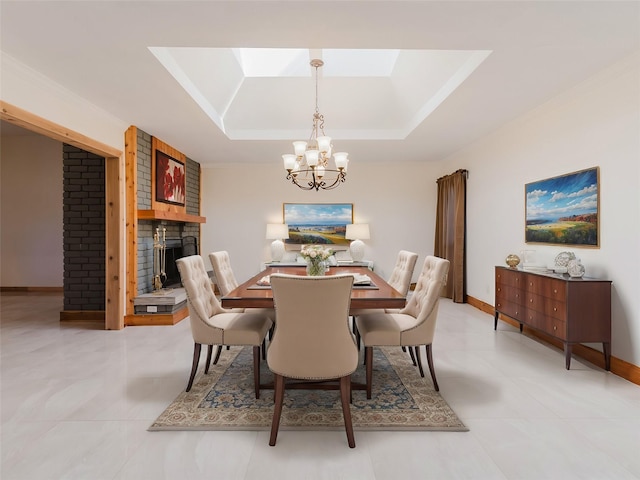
(340, 159)
(324, 144)
(312, 157)
(289, 161)
(299, 148)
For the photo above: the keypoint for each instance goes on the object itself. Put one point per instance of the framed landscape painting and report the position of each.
(317, 223)
(564, 210)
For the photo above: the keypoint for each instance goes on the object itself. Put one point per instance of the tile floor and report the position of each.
(76, 403)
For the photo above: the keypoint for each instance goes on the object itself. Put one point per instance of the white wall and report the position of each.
(597, 123)
(31, 245)
(239, 202)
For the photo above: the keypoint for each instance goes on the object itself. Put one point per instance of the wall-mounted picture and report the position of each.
(564, 210)
(317, 223)
(170, 179)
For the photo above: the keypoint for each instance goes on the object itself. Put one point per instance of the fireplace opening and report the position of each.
(176, 249)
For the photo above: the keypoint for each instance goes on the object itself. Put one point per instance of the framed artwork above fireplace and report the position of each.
(169, 178)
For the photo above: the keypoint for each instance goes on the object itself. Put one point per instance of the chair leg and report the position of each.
(264, 348)
(218, 352)
(413, 357)
(194, 366)
(256, 370)
(418, 360)
(431, 369)
(345, 393)
(368, 355)
(278, 395)
(209, 353)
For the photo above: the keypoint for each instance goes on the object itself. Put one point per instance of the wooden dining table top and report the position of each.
(377, 295)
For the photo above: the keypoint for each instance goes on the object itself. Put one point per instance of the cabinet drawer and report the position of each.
(549, 325)
(507, 294)
(546, 287)
(509, 278)
(510, 309)
(556, 309)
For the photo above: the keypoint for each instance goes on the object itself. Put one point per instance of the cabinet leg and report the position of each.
(606, 349)
(495, 320)
(567, 354)
(521, 325)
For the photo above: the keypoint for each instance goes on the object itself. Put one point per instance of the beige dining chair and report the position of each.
(400, 280)
(312, 340)
(226, 281)
(213, 325)
(412, 326)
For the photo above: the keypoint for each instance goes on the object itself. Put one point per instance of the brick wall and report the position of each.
(83, 230)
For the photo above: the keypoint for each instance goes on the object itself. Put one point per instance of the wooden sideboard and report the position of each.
(573, 310)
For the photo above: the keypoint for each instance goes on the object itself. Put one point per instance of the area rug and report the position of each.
(224, 399)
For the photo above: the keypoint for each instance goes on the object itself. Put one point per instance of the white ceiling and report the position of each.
(460, 70)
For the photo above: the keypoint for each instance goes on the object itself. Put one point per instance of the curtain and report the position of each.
(451, 229)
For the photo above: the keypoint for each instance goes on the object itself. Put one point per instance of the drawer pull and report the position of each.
(555, 290)
(555, 309)
(517, 295)
(555, 328)
(531, 300)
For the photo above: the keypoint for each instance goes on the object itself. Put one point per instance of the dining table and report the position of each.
(372, 293)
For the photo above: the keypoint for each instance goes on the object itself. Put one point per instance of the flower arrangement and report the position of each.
(316, 255)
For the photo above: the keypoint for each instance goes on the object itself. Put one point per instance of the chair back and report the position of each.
(312, 339)
(402, 273)
(423, 304)
(225, 279)
(201, 300)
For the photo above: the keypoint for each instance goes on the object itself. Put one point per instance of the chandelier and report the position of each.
(309, 167)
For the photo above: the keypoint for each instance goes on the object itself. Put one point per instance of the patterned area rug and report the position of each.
(224, 399)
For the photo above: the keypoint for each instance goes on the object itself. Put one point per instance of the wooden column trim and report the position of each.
(131, 174)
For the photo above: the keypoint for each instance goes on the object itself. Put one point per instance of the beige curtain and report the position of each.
(451, 232)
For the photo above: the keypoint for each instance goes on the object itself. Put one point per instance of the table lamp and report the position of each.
(357, 232)
(276, 232)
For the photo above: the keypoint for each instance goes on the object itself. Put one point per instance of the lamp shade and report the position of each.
(277, 231)
(357, 231)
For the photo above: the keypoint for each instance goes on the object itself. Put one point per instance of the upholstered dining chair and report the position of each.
(413, 326)
(312, 339)
(222, 270)
(213, 325)
(226, 281)
(400, 280)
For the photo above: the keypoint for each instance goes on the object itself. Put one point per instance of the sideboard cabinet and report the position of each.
(572, 310)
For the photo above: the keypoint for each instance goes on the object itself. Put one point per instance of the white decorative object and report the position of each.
(276, 232)
(357, 232)
(575, 268)
(563, 259)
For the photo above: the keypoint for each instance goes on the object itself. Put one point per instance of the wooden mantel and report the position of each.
(172, 216)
